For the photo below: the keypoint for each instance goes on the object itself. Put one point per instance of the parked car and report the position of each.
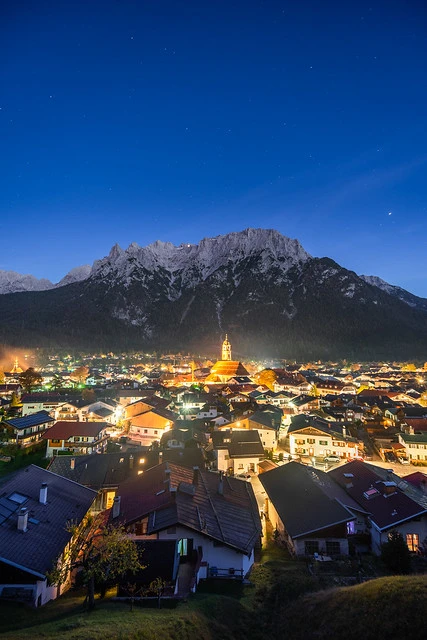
(243, 476)
(404, 461)
(332, 458)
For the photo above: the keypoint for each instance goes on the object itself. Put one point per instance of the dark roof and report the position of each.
(244, 443)
(231, 517)
(305, 499)
(188, 457)
(33, 420)
(46, 536)
(103, 470)
(65, 429)
(388, 505)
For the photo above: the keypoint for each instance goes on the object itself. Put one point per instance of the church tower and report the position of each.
(226, 349)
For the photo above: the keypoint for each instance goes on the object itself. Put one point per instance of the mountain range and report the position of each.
(261, 287)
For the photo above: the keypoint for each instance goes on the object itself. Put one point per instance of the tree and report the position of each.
(395, 553)
(79, 375)
(100, 553)
(30, 379)
(266, 377)
(57, 382)
(88, 395)
(15, 401)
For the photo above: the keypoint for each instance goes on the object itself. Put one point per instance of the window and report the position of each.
(311, 547)
(412, 541)
(156, 432)
(311, 441)
(240, 466)
(333, 548)
(145, 430)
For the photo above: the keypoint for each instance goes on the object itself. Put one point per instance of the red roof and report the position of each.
(418, 479)
(65, 429)
(418, 424)
(386, 506)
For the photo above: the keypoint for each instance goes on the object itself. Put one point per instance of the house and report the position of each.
(388, 506)
(308, 510)
(237, 452)
(304, 403)
(28, 430)
(76, 437)
(36, 510)
(35, 402)
(214, 518)
(149, 427)
(317, 438)
(104, 474)
(266, 423)
(415, 446)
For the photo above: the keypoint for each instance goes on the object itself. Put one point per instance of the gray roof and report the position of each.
(230, 517)
(37, 549)
(305, 499)
(33, 420)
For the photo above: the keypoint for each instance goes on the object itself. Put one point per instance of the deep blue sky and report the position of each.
(135, 121)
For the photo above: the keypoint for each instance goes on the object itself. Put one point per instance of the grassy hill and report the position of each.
(283, 602)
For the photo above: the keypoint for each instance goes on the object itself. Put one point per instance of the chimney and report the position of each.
(43, 493)
(116, 507)
(131, 461)
(23, 519)
(72, 463)
(195, 476)
(221, 485)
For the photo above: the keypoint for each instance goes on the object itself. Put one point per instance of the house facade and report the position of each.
(76, 437)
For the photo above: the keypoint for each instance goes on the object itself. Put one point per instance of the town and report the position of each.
(200, 463)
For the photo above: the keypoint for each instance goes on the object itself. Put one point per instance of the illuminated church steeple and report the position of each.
(16, 368)
(226, 349)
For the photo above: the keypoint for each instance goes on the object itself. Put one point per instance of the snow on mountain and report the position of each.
(194, 263)
(75, 275)
(13, 282)
(375, 281)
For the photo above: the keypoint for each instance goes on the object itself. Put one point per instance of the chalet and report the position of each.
(149, 427)
(389, 507)
(237, 452)
(6, 390)
(304, 403)
(266, 423)
(28, 430)
(415, 446)
(76, 437)
(308, 510)
(318, 439)
(35, 402)
(36, 508)
(215, 519)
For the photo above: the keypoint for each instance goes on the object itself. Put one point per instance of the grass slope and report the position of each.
(391, 608)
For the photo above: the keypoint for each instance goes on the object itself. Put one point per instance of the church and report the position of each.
(226, 368)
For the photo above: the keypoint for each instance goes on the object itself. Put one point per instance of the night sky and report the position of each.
(175, 120)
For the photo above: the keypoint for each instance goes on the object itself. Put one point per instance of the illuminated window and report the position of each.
(412, 540)
(141, 460)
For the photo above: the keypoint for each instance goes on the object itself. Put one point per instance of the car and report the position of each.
(243, 476)
(332, 458)
(360, 458)
(404, 461)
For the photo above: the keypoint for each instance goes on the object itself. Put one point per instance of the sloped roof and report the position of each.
(65, 429)
(46, 536)
(386, 510)
(304, 499)
(231, 517)
(33, 420)
(244, 443)
(103, 471)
